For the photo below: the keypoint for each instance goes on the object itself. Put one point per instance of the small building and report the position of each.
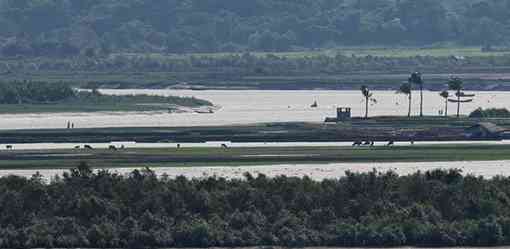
(342, 114)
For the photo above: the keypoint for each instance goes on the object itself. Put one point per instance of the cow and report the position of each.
(88, 147)
(77, 147)
(224, 146)
(391, 143)
(9, 147)
(357, 143)
(112, 147)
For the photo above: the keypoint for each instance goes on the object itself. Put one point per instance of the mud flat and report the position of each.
(486, 169)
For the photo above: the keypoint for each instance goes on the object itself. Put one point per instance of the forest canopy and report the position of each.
(65, 27)
(140, 210)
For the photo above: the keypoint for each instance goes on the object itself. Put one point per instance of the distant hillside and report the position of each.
(70, 27)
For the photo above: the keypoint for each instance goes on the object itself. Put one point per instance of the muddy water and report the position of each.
(315, 171)
(241, 107)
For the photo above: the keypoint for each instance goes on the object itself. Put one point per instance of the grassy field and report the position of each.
(189, 157)
(396, 52)
(59, 108)
(224, 77)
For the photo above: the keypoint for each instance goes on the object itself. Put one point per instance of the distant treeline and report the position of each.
(62, 27)
(250, 64)
(490, 113)
(105, 210)
(31, 92)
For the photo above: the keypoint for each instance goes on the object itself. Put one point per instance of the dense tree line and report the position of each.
(490, 113)
(102, 209)
(250, 64)
(37, 92)
(27, 92)
(64, 27)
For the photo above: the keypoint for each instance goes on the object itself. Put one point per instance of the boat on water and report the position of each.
(461, 101)
(207, 111)
(200, 109)
(465, 95)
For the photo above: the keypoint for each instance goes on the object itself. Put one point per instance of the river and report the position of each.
(252, 106)
(315, 171)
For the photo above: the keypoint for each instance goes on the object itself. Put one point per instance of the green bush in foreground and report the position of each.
(490, 113)
(86, 209)
(38, 93)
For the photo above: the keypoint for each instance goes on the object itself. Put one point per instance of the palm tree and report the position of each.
(367, 95)
(445, 94)
(456, 85)
(406, 89)
(417, 79)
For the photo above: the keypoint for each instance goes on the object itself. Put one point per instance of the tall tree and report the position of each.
(368, 97)
(457, 85)
(445, 94)
(406, 89)
(417, 79)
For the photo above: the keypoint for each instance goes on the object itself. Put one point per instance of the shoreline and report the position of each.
(487, 169)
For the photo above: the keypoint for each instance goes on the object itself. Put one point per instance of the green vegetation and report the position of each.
(91, 27)
(250, 71)
(367, 95)
(101, 209)
(35, 97)
(173, 157)
(490, 113)
(255, 44)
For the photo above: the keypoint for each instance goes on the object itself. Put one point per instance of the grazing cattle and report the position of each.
(178, 146)
(112, 147)
(372, 143)
(9, 147)
(412, 142)
(366, 143)
(224, 146)
(357, 143)
(77, 147)
(88, 147)
(391, 143)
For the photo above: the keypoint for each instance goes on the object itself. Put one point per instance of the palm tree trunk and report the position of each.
(409, 109)
(446, 108)
(366, 107)
(458, 104)
(421, 100)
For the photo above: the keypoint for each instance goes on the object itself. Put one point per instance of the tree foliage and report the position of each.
(62, 27)
(32, 92)
(106, 210)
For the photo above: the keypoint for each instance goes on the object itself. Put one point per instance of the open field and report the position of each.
(396, 52)
(381, 129)
(381, 68)
(102, 158)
